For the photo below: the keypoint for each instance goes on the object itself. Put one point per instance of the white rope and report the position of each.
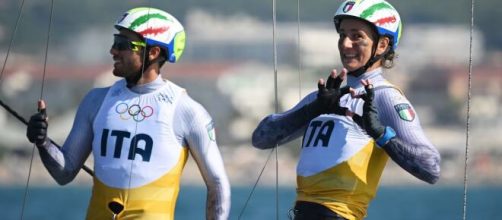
(275, 149)
(254, 186)
(299, 51)
(41, 97)
(468, 112)
(276, 94)
(11, 43)
(12, 37)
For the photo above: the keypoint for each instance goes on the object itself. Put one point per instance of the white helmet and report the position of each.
(380, 13)
(158, 28)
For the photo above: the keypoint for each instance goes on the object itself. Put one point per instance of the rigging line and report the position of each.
(134, 141)
(16, 25)
(274, 43)
(12, 38)
(299, 51)
(5, 106)
(274, 22)
(47, 49)
(276, 94)
(41, 98)
(25, 122)
(27, 183)
(468, 118)
(255, 184)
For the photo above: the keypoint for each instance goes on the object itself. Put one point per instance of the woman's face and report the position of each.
(355, 43)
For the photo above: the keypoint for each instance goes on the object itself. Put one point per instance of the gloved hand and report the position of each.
(37, 127)
(369, 121)
(329, 94)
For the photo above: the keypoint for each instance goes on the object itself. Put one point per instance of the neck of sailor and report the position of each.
(145, 74)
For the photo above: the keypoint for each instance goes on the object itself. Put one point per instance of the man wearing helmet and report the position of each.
(349, 133)
(139, 130)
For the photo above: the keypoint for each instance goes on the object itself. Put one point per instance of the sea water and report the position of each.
(391, 203)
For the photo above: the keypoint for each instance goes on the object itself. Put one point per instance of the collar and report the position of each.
(148, 87)
(355, 82)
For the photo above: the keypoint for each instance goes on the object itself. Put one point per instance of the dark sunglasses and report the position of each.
(120, 42)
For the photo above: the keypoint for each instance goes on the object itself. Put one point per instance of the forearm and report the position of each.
(197, 128)
(55, 163)
(64, 163)
(410, 148)
(213, 172)
(277, 129)
(420, 161)
(218, 199)
(212, 169)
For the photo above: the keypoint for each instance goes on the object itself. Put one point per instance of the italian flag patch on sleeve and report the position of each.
(405, 111)
(210, 131)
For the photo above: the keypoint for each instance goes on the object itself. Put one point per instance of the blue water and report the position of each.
(392, 203)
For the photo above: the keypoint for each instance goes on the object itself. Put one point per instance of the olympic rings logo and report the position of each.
(135, 112)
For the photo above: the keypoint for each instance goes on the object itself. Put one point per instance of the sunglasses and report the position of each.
(120, 42)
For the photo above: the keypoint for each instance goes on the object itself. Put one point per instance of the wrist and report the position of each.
(314, 109)
(388, 134)
(43, 144)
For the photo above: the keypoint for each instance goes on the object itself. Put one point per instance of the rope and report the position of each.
(276, 95)
(16, 25)
(47, 49)
(25, 122)
(275, 149)
(299, 51)
(255, 184)
(27, 183)
(41, 98)
(468, 112)
(5, 106)
(134, 141)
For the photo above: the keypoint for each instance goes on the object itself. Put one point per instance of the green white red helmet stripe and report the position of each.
(374, 8)
(145, 18)
(154, 31)
(382, 21)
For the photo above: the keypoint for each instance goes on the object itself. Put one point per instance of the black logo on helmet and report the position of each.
(348, 7)
(123, 16)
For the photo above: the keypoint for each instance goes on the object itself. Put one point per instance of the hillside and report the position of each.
(72, 16)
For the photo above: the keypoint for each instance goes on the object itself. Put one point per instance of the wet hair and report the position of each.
(387, 59)
(162, 58)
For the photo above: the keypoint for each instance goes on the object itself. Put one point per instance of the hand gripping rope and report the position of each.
(14, 113)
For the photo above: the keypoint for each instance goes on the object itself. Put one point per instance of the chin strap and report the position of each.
(146, 63)
(132, 82)
(374, 59)
(362, 70)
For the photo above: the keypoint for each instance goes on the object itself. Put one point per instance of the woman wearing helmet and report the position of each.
(140, 130)
(349, 133)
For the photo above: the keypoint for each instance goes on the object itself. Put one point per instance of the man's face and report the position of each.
(355, 43)
(126, 56)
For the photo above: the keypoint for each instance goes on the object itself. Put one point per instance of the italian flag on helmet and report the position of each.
(380, 13)
(158, 28)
